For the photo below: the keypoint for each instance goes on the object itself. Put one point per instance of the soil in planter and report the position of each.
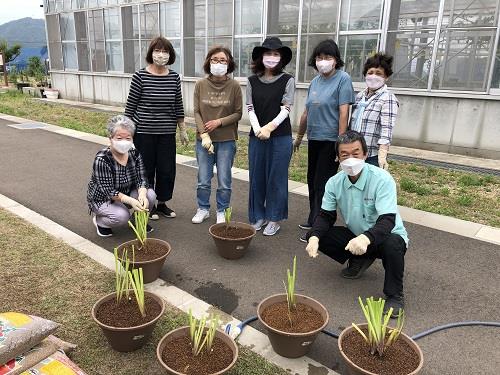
(304, 318)
(126, 313)
(178, 355)
(398, 359)
(232, 232)
(151, 251)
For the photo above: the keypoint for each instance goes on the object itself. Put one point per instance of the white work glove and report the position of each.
(254, 121)
(265, 131)
(312, 246)
(143, 198)
(134, 203)
(206, 142)
(358, 245)
(382, 157)
(297, 142)
(183, 135)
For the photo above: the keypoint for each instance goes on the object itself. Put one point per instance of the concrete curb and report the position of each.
(464, 228)
(250, 337)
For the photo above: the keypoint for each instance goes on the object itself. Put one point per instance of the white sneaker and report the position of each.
(220, 217)
(259, 224)
(200, 216)
(271, 229)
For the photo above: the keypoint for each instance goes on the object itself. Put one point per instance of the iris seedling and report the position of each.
(227, 217)
(137, 283)
(140, 226)
(197, 327)
(379, 337)
(290, 289)
(122, 284)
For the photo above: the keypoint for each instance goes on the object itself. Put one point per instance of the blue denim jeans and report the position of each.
(268, 163)
(223, 158)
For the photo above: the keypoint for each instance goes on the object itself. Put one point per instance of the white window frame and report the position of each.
(106, 40)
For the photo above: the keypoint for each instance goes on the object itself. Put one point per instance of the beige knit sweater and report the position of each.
(218, 100)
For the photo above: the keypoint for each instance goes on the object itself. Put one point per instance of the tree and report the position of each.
(11, 53)
(35, 66)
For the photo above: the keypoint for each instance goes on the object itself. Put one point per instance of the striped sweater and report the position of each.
(154, 102)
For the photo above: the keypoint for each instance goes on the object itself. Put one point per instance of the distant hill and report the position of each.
(30, 34)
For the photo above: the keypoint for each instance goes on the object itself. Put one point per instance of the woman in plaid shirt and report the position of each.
(375, 109)
(118, 180)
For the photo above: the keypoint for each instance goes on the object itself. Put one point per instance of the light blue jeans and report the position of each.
(223, 158)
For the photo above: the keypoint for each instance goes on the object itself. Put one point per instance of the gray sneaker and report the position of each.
(271, 229)
(356, 267)
(259, 224)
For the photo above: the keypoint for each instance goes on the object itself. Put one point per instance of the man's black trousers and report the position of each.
(392, 252)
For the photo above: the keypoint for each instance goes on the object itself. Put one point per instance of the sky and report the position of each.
(14, 9)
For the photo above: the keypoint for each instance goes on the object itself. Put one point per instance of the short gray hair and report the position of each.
(120, 121)
(351, 136)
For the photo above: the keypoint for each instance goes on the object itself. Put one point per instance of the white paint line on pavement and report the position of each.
(251, 337)
(427, 219)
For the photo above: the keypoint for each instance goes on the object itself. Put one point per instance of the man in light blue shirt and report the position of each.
(366, 197)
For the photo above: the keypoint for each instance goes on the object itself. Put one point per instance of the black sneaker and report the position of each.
(101, 231)
(305, 226)
(165, 211)
(397, 302)
(356, 267)
(303, 238)
(153, 215)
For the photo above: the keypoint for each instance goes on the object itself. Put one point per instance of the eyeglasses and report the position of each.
(217, 61)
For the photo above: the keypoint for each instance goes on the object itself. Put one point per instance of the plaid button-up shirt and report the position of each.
(109, 178)
(378, 118)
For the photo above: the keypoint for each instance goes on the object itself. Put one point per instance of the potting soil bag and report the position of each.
(26, 360)
(20, 332)
(56, 364)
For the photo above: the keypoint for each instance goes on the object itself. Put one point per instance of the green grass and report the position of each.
(45, 277)
(466, 196)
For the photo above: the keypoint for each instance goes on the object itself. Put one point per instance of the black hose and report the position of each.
(330, 333)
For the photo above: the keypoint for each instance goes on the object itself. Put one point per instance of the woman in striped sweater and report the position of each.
(155, 105)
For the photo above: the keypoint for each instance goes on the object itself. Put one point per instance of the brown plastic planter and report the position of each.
(232, 248)
(184, 331)
(286, 344)
(128, 339)
(353, 369)
(151, 268)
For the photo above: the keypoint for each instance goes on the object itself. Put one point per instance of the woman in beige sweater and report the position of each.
(217, 110)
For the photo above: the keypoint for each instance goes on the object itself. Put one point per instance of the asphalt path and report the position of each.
(448, 278)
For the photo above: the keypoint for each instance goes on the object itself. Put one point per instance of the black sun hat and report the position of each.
(273, 43)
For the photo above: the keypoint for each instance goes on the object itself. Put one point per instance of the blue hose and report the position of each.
(418, 336)
(453, 325)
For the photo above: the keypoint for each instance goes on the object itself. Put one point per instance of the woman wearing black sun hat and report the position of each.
(270, 94)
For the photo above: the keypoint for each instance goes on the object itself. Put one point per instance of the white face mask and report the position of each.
(218, 69)
(352, 166)
(161, 58)
(121, 146)
(374, 81)
(270, 61)
(325, 66)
